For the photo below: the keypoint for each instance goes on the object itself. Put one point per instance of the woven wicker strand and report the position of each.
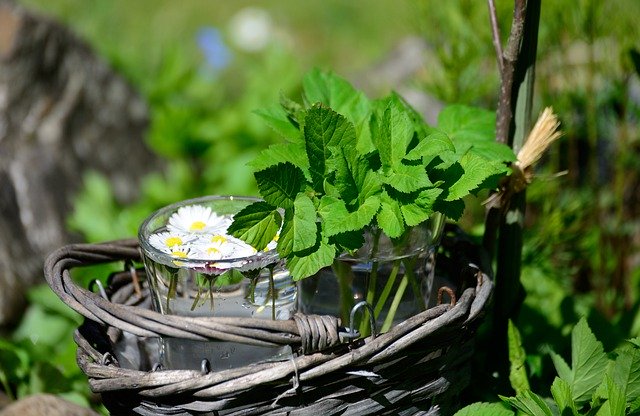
(417, 367)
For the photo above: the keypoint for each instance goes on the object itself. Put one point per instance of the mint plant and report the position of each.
(349, 164)
(596, 383)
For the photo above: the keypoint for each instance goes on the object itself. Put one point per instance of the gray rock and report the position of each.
(63, 111)
(45, 404)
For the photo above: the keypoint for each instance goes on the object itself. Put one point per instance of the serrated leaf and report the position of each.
(304, 223)
(348, 241)
(450, 209)
(529, 403)
(588, 362)
(230, 277)
(294, 111)
(517, 357)
(335, 92)
(435, 144)
(293, 153)
(337, 219)
(617, 402)
(561, 392)
(407, 179)
(391, 133)
(563, 369)
(351, 174)
(390, 217)
(476, 170)
(420, 208)
(301, 267)
(324, 129)
(256, 224)
(474, 128)
(625, 372)
(280, 184)
(277, 119)
(484, 409)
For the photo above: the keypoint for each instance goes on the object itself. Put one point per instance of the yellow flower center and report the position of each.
(218, 239)
(173, 241)
(197, 226)
(213, 250)
(180, 254)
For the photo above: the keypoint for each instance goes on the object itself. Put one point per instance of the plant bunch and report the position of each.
(350, 163)
(594, 383)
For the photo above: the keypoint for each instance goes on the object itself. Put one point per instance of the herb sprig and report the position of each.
(349, 163)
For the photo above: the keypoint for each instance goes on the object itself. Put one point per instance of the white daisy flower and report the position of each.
(198, 219)
(180, 252)
(221, 246)
(165, 241)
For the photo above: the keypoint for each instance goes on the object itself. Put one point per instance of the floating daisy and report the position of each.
(182, 252)
(221, 246)
(166, 241)
(198, 219)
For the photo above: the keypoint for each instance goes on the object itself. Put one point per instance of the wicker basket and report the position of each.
(419, 367)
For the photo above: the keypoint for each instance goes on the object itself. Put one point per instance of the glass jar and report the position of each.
(394, 276)
(194, 268)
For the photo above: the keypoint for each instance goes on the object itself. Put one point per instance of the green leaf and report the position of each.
(337, 219)
(301, 267)
(230, 277)
(563, 369)
(529, 403)
(435, 144)
(303, 224)
(349, 241)
(450, 209)
(335, 92)
(407, 179)
(517, 357)
(276, 118)
(293, 153)
(561, 392)
(485, 409)
(588, 363)
(256, 224)
(625, 372)
(473, 128)
(323, 129)
(476, 171)
(280, 184)
(390, 217)
(355, 179)
(617, 402)
(391, 133)
(43, 328)
(421, 208)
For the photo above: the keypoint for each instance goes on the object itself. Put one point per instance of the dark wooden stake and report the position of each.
(513, 123)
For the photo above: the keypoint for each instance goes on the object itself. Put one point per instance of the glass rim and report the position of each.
(160, 256)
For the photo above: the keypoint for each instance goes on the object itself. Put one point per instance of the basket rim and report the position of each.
(427, 331)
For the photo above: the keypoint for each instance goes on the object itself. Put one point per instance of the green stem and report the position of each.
(197, 298)
(343, 273)
(388, 321)
(371, 284)
(272, 290)
(387, 289)
(173, 283)
(409, 265)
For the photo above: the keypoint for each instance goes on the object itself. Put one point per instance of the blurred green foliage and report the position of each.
(583, 230)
